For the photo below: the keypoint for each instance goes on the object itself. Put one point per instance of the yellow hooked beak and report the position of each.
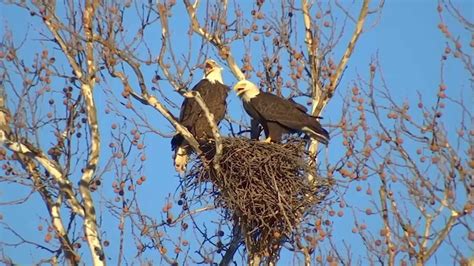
(239, 88)
(208, 67)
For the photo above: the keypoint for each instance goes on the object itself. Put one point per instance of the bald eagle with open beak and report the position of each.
(277, 115)
(214, 94)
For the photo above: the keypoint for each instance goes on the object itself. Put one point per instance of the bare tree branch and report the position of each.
(213, 39)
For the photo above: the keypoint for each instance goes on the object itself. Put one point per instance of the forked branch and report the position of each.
(334, 79)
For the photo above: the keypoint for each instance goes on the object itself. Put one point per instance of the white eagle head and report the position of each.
(213, 71)
(246, 90)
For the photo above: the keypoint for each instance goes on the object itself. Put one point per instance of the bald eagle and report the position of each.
(277, 115)
(214, 94)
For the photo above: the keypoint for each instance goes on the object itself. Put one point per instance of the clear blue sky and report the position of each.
(409, 46)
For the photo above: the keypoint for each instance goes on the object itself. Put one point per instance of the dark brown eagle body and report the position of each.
(192, 116)
(277, 115)
(272, 129)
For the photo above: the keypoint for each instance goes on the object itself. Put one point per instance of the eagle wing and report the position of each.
(215, 100)
(273, 108)
(297, 105)
(192, 116)
(190, 109)
(288, 114)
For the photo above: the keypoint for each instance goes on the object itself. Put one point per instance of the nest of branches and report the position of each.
(263, 187)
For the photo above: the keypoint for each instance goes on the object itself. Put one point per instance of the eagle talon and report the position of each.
(268, 140)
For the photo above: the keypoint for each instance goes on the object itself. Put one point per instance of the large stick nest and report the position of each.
(263, 186)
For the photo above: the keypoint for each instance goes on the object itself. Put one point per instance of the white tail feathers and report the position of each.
(321, 136)
(180, 160)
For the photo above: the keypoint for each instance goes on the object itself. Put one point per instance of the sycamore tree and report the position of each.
(90, 92)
